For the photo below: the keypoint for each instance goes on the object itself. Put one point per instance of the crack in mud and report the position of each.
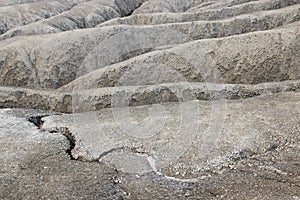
(65, 131)
(37, 119)
(72, 139)
(72, 142)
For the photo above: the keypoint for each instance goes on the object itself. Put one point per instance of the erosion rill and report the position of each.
(150, 99)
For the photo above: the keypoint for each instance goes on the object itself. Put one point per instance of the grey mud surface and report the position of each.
(213, 107)
(43, 163)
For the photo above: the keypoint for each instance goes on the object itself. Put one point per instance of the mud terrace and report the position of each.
(150, 99)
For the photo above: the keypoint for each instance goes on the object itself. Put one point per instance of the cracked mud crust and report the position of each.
(34, 165)
(150, 99)
(268, 148)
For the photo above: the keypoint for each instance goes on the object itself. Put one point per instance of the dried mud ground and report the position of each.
(213, 90)
(38, 164)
